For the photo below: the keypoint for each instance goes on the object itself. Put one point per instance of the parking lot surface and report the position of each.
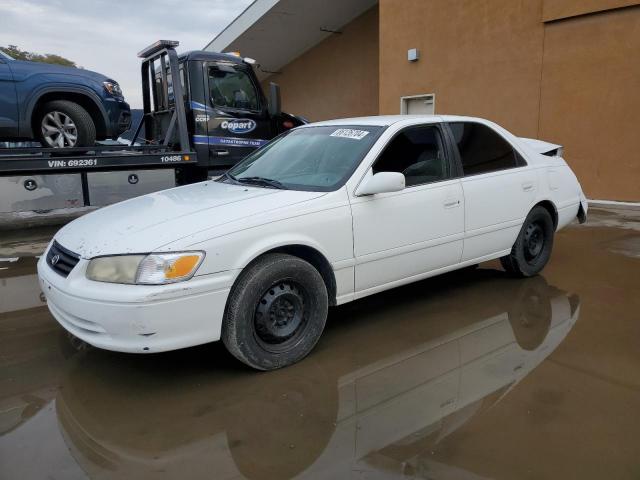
(467, 375)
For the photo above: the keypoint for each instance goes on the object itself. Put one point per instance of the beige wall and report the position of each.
(556, 9)
(574, 81)
(338, 77)
(591, 99)
(479, 57)
(567, 71)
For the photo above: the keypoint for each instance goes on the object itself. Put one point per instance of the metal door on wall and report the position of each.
(418, 104)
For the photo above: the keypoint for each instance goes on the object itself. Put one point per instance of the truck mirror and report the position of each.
(274, 99)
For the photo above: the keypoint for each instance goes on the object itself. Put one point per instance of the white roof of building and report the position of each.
(275, 32)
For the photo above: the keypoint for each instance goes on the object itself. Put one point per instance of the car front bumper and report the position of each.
(119, 117)
(136, 318)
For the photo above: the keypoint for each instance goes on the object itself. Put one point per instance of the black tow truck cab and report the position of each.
(202, 113)
(227, 113)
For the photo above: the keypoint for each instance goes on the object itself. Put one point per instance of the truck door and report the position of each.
(238, 123)
(8, 101)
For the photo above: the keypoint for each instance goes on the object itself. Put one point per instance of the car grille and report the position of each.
(61, 260)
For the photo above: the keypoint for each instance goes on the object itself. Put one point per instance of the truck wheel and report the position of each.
(533, 246)
(276, 312)
(64, 124)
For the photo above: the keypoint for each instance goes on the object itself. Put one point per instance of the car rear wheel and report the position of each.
(532, 249)
(65, 124)
(276, 312)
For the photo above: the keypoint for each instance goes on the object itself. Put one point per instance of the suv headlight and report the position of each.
(113, 88)
(152, 269)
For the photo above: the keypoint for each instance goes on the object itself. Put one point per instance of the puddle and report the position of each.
(467, 375)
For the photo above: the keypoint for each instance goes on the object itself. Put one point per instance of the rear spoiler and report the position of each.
(544, 148)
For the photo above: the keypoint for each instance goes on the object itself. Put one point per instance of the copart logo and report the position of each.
(240, 126)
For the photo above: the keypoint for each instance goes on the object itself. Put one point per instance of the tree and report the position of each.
(18, 54)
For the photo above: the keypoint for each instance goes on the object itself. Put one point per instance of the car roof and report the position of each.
(211, 56)
(387, 120)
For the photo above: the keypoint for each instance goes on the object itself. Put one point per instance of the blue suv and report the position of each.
(59, 106)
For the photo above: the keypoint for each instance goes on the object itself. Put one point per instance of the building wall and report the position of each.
(574, 80)
(557, 9)
(479, 57)
(591, 99)
(338, 77)
(565, 71)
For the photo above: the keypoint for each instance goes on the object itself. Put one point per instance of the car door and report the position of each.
(499, 188)
(8, 101)
(401, 235)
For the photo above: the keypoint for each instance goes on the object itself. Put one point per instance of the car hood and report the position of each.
(24, 66)
(147, 223)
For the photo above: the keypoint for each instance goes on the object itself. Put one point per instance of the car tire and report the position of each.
(532, 249)
(83, 128)
(276, 312)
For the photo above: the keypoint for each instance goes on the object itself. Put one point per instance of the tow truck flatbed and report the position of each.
(197, 121)
(112, 157)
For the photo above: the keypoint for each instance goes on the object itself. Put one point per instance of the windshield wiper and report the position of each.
(267, 182)
(225, 176)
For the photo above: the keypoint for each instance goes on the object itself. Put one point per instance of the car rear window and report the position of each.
(482, 150)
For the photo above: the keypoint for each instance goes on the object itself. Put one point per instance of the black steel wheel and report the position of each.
(280, 316)
(276, 312)
(532, 249)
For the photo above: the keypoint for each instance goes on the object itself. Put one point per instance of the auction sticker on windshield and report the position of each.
(350, 133)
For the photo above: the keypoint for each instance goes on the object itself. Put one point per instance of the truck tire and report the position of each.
(64, 124)
(532, 249)
(276, 312)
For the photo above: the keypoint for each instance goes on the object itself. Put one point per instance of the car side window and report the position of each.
(483, 150)
(418, 154)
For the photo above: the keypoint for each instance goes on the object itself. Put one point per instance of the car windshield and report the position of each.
(310, 158)
(6, 56)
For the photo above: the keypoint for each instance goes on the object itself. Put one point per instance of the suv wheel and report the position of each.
(276, 312)
(64, 124)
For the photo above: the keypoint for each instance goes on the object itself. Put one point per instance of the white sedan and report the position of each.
(325, 214)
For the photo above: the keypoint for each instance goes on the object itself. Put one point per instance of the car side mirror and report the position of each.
(275, 107)
(382, 182)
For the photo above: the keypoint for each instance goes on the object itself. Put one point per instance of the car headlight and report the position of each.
(152, 269)
(113, 88)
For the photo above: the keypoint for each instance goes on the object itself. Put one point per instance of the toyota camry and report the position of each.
(322, 215)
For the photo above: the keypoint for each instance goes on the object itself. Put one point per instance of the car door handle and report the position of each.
(528, 186)
(451, 203)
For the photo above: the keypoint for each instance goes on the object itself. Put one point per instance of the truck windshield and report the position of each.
(231, 87)
(311, 158)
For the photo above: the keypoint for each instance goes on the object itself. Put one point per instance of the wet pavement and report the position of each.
(468, 375)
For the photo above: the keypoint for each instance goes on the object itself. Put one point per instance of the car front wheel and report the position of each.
(276, 312)
(65, 124)
(532, 249)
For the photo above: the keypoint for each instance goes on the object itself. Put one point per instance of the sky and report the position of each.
(105, 36)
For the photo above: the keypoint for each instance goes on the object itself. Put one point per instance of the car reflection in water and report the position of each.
(391, 379)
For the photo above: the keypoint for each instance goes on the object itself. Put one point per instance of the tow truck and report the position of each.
(202, 113)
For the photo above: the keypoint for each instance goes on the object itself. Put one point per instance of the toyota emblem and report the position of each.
(133, 179)
(55, 259)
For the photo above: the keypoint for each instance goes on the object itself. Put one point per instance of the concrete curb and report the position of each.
(614, 205)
